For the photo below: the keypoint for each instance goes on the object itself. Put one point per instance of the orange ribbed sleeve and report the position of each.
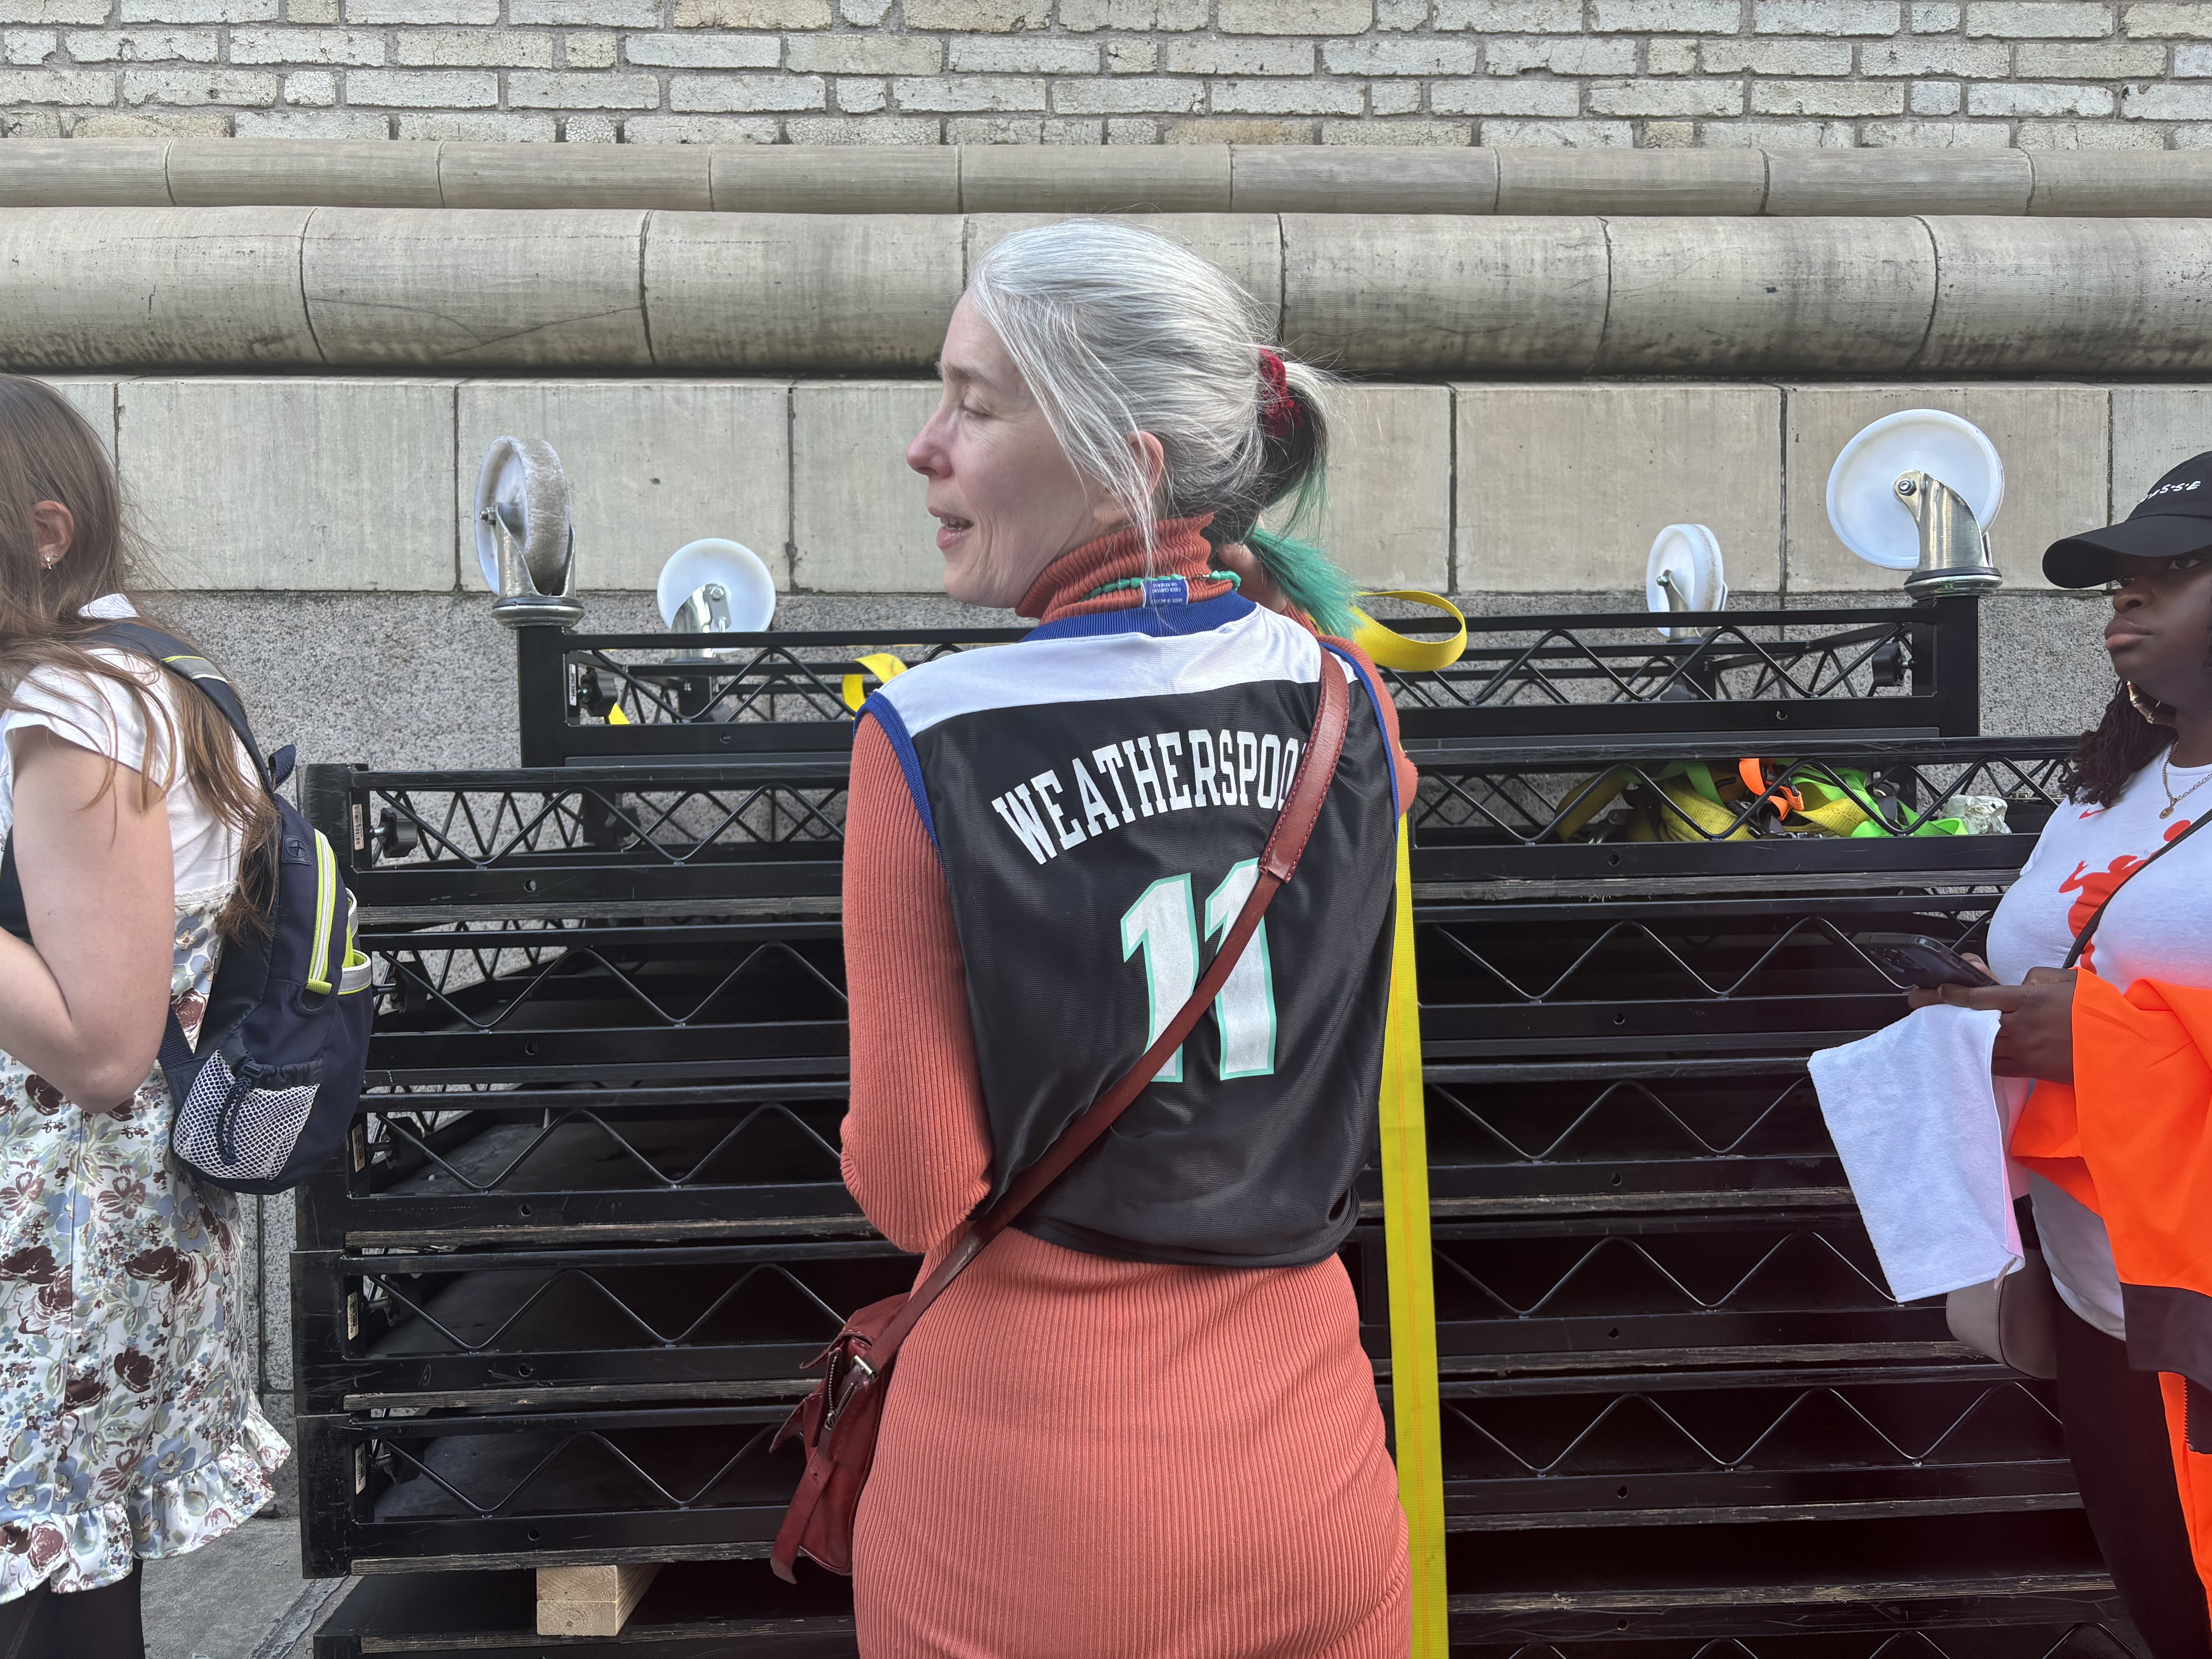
(917, 1150)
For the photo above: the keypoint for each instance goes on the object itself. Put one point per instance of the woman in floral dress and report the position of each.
(129, 1427)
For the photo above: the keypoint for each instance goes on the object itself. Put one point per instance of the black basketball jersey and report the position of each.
(1100, 794)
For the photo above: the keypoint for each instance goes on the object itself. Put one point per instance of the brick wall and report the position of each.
(2058, 73)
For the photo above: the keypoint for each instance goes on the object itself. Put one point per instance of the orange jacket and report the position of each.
(2132, 1140)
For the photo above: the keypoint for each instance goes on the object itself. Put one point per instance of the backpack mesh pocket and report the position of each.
(230, 1126)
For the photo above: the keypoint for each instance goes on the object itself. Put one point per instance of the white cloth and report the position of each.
(2160, 927)
(1921, 1131)
(95, 713)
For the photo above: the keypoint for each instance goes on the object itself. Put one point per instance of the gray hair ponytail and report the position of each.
(1118, 330)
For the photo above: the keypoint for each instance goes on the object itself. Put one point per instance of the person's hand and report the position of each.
(1253, 581)
(2035, 1036)
(1923, 997)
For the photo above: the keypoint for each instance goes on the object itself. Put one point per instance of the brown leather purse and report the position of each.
(837, 1423)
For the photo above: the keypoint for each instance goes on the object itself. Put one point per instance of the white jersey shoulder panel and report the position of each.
(1096, 668)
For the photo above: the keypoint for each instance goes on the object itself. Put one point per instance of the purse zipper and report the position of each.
(840, 1397)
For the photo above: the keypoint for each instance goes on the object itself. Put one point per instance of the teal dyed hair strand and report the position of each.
(1310, 578)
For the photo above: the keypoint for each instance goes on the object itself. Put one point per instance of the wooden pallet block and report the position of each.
(595, 1600)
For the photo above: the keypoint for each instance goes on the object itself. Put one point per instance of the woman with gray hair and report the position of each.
(1142, 1423)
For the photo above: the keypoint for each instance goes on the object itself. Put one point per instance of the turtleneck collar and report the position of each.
(1178, 549)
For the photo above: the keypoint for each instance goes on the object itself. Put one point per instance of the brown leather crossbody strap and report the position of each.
(1294, 826)
(2089, 927)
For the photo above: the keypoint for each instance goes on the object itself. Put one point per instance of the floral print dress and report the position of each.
(129, 1425)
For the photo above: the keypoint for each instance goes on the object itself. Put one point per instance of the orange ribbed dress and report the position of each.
(1082, 1457)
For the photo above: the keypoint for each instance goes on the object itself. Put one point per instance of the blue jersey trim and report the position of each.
(1375, 698)
(1146, 619)
(887, 715)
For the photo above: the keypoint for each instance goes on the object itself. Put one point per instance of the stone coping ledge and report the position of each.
(1078, 179)
(585, 290)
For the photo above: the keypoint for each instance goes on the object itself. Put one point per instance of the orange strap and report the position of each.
(1752, 771)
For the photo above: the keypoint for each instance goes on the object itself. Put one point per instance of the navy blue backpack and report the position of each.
(267, 1097)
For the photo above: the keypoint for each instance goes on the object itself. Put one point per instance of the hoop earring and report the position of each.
(2154, 712)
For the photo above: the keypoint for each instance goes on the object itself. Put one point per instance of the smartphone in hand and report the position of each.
(1915, 960)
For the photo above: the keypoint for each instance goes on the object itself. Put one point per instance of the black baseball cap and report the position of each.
(2175, 518)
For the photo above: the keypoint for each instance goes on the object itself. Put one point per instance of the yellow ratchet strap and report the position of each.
(1386, 648)
(1413, 1287)
(885, 668)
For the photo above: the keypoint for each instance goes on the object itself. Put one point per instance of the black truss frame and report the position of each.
(591, 1208)
(612, 1007)
(583, 1165)
(447, 1328)
(486, 1120)
(697, 1483)
(1666, 1449)
(1759, 1581)
(706, 1610)
(715, 695)
(763, 835)
(463, 1166)
(709, 1610)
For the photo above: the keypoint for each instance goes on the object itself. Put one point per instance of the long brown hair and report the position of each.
(49, 453)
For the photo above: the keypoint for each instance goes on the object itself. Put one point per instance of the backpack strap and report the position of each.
(180, 660)
(186, 664)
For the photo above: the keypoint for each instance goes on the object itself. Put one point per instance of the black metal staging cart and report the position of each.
(552, 1304)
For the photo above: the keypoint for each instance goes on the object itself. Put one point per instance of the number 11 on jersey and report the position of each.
(1164, 924)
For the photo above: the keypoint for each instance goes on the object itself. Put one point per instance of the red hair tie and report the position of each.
(1280, 413)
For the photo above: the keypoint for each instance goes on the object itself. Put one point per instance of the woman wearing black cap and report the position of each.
(2121, 1114)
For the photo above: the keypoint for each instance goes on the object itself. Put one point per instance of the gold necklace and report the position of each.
(2166, 782)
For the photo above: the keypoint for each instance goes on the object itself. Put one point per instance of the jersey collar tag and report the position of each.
(1161, 591)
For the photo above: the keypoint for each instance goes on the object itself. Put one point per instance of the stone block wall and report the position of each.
(365, 486)
(1777, 73)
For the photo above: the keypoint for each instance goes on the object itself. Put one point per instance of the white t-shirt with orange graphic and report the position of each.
(2159, 927)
